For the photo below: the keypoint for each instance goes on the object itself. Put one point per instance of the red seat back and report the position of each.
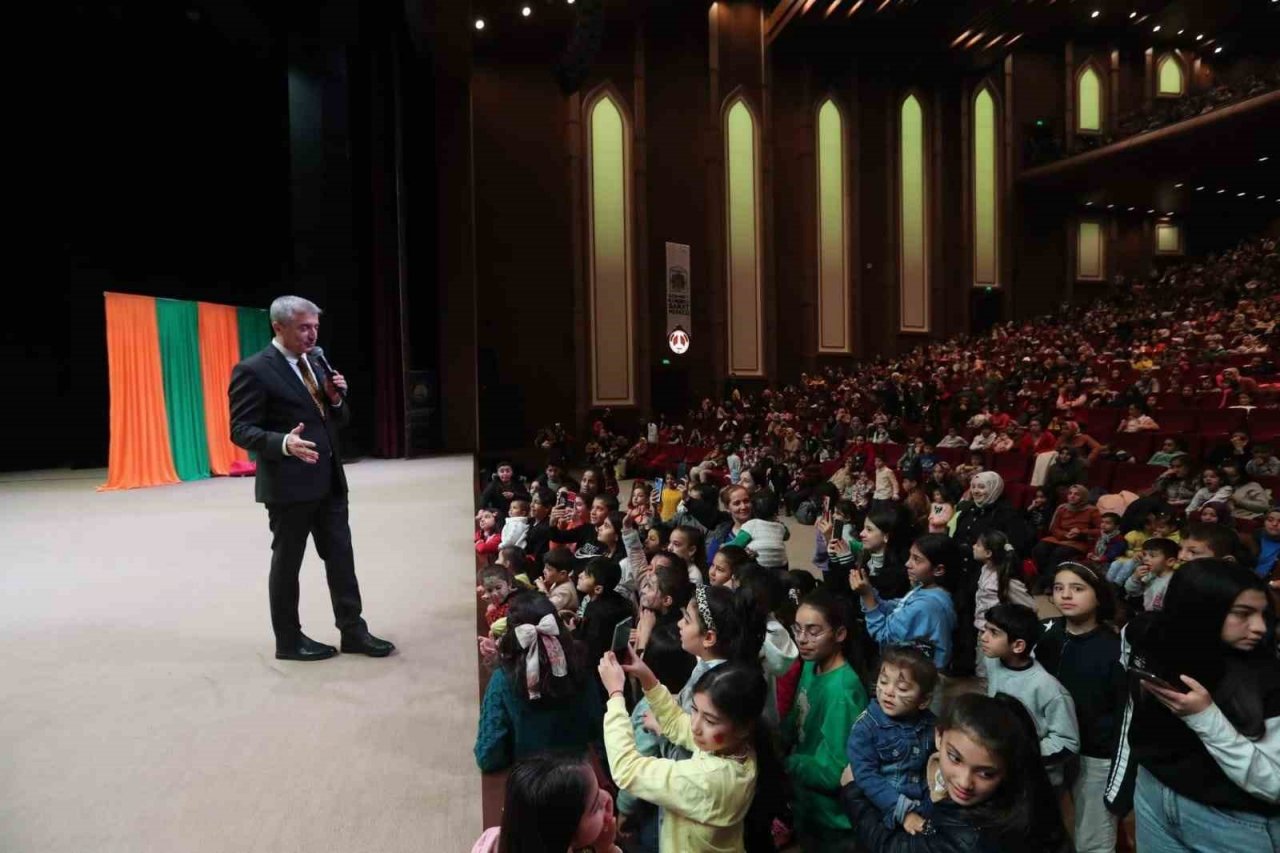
(1136, 444)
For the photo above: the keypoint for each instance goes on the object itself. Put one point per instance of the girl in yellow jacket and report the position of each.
(704, 799)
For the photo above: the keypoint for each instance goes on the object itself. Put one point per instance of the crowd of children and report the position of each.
(712, 696)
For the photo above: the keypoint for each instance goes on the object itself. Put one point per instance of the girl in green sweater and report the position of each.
(829, 698)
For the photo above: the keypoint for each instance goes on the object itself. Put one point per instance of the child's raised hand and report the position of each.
(638, 669)
(650, 723)
(824, 527)
(540, 583)
(611, 674)
(488, 650)
(837, 547)
(858, 581)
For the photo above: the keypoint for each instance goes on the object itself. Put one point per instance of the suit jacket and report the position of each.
(267, 401)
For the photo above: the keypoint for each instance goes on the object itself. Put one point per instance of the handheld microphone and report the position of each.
(318, 353)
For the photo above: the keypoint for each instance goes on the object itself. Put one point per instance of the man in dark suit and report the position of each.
(287, 409)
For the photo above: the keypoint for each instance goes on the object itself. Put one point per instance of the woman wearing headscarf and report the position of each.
(1073, 530)
(985, 509)
(1067, 470)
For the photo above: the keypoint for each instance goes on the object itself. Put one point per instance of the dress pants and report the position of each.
(325, 521)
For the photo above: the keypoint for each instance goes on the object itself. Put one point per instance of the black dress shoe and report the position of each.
(366, 644)
(305, 649)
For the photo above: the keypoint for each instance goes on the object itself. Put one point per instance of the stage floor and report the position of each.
(143, 709)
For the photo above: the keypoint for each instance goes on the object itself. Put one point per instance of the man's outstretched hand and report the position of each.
(298, 447)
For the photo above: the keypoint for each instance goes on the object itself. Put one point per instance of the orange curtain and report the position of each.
(140, 454)
(219, 352)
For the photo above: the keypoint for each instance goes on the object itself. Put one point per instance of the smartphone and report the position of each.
(621, 644)
(1157, 680)
(658, 483)
(826, 507)
(837, 528)
(563, 500)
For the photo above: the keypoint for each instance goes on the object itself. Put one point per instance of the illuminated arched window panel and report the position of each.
(1170, 81)
(609, 247)
(833, 229)
(913, 224)
(1089, 100)
(742, 205)
(986, 190)
(1168, 239)
(1090, 251)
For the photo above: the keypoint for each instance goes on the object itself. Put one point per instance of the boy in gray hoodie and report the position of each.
(1007, 640)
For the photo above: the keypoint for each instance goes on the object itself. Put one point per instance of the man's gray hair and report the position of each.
(285, 308)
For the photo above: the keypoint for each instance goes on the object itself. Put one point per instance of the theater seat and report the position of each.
(1264, 424)
(1134, 477)
(1100, 474)
(1176, 421)
(1018, 494)
(1136, 444)
(1012, 466)
(1221, 421)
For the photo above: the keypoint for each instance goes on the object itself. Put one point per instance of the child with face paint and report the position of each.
(891, 742)
(829, 698)
(704, 800)
(986, 783)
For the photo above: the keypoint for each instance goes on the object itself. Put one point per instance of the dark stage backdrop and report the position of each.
(227, 152)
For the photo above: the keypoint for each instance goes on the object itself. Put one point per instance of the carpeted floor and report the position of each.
(142, 708)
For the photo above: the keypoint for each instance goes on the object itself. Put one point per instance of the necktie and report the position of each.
(310, 381)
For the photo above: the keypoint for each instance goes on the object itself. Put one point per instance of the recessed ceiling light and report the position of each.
(1261, 197)
(1133, 208)
(1170, 213)
(479, 23)
(1177, 185)
(1133, 14)
(1088, 204)
(1180, 32)
(1156, 28)
(1217, 50)
(1199, 36)
(1220, 192)
(526, 11)
(1264, 159)
(1110, 206)
(1198, 189)
(1239, 195)
(1152, 210)
(1095, 13)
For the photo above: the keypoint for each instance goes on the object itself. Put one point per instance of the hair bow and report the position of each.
(548, 631)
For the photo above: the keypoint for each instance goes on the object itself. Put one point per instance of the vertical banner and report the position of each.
(679, 326)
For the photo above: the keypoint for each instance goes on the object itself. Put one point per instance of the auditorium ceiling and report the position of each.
(980, 32)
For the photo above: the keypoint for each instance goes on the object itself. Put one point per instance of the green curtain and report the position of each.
(255, 330)
(179, 326)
